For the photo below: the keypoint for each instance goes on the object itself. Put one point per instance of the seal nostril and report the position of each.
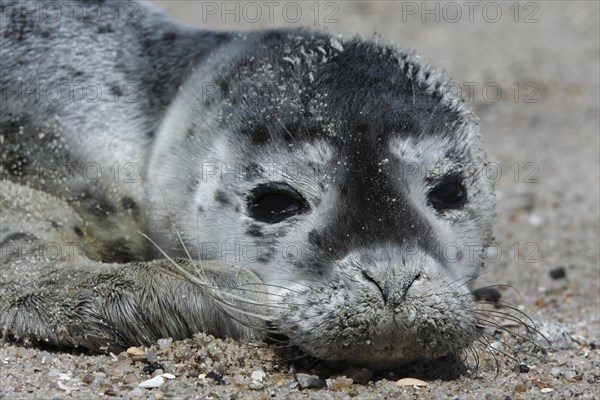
(370, 279)
(416, 278)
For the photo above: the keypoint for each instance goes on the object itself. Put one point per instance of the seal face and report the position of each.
(349, 176)
(345, 175)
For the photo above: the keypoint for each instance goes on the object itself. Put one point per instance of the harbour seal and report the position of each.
(160, 180)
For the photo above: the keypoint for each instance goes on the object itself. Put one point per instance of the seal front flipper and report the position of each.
(67, 300)
(115, 306)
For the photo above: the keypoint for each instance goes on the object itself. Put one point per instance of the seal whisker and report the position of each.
(482, 337)
(509, 316)
(174, 227)
(208, 288)
(285, 129)
(494, 324)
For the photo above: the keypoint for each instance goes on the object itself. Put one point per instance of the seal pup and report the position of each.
(236, 183)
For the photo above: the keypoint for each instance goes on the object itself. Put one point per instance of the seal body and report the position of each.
(340, 179)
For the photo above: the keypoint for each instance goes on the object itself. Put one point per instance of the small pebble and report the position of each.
(238, 379)
(306, 381)
(64, 387)
(53, 373)
(523, 368)
(255, 385)
(217, 377)
(151, 356)
(339, 383)
(150, 368)
(130, 378)
(65, 377)
(411, 382)
(535, 220)
(136, 353)
(88, 378)
(44, 357)
(258, 375)
(558, 273)
(546, 390)
(570, 374)
(164, 344)
(155, 382)
(558, 334)
(136, 393)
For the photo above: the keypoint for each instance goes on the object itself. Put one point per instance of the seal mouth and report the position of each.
(356, 325)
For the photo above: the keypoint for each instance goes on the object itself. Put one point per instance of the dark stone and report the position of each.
(306, 381)
(558, 273)
(488, 294)
(215, 376)
(523, 368)
(150, 368)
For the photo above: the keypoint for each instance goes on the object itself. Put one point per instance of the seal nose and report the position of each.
(393, 289)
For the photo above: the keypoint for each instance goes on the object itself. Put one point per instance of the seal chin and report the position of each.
(434, 318)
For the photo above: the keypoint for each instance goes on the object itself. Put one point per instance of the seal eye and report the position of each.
(273, 202)
(449, 194)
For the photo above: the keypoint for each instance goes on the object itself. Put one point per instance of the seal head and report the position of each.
(347, 176)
